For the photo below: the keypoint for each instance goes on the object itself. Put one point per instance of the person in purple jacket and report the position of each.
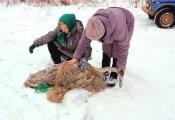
(113, 27)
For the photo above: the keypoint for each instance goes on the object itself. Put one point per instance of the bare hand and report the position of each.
(121, 72)
(73, 61)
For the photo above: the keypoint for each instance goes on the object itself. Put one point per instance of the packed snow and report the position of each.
(149, 82)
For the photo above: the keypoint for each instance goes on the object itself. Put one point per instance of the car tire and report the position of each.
(165, 18)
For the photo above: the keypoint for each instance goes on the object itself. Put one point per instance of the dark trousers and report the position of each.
(106, 60)
(55, 53)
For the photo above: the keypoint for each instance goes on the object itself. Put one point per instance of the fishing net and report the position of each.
(64, 77)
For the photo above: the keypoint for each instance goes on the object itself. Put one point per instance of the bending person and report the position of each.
(113, 27)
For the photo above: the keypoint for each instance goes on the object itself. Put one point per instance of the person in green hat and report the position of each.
(63, 40)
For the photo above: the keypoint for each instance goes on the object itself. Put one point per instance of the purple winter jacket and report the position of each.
(119, 25)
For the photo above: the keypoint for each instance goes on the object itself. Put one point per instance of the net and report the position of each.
(64, 77)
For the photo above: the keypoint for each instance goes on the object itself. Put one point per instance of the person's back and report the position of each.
(117, 22)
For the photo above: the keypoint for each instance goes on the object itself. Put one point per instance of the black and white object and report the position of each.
(111, 82)
(83, 64)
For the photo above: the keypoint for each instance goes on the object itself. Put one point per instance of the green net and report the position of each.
(42, 88)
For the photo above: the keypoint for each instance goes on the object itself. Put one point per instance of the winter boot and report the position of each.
(111, 82)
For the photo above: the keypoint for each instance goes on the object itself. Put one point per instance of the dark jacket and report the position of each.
(70, 45)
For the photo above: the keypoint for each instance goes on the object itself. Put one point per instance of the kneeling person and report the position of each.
(63, 40)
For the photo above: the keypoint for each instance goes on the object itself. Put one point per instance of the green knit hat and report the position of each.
(69, 20)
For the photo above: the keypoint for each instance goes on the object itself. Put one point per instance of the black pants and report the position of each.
(55, 53)
(106, 60)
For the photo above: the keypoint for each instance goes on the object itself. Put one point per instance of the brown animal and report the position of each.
(64, 77)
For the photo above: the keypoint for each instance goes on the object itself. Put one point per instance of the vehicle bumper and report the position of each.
(146, 10)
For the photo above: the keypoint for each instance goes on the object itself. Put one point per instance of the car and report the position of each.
(162, 11)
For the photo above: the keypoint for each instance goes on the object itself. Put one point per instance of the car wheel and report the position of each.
(165, 18)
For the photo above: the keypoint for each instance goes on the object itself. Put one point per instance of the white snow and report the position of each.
(149, 82)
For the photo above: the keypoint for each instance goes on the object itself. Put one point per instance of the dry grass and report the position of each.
(49, 2)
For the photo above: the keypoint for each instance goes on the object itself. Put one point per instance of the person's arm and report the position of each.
(43, 40)
(123, 45)
(46, 38)
(131, 25)
(83, 46)
(122, 53)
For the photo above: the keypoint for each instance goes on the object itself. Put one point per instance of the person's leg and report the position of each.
(106, 63)
(54, 52)
(114, 74)
(105, 60)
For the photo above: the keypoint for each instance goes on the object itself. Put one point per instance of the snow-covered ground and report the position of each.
(148, 87)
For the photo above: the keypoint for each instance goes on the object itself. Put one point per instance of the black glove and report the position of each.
(31, 48)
